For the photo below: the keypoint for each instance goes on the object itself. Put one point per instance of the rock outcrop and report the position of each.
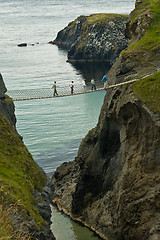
(142, 55)
(23, 184)
(99, 37)
(22, 45)
(113, 185)
(6, 108)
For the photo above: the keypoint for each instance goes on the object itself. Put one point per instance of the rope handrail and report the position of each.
(40, 93)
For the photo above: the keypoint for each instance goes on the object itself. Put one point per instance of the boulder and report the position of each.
(22, 45)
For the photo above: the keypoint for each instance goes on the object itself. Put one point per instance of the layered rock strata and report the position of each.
(99, 37)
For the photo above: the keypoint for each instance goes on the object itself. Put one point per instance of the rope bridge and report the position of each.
(28, 94)
(39, 93)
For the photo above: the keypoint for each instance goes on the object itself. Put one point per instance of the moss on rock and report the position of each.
(20, 176)
(144, 31)
(148, 90)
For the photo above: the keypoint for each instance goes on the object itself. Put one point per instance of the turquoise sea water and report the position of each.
(66, 229)
(50, 125)
(51, 128)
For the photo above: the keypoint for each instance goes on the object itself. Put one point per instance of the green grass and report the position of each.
(7, 229)
(148, 90)
(103, 17)
(149, 44)
(8, 99)
(19, 174)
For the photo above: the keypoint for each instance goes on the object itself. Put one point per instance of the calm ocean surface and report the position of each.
(52, 128)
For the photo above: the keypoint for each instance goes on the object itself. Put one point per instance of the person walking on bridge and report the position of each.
(55, 89)
(105, 80)
(93, 85)
(71, 87)
(84, 85)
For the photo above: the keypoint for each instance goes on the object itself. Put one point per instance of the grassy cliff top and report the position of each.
(151, 5)
(103, 17)
(148, 46)
(148, 90)
(19, 177)
(98, 18)
(145, 53)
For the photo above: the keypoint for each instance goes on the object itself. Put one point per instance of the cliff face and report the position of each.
(6, 108)
(99, 37)
(113, 185)
(24, 197)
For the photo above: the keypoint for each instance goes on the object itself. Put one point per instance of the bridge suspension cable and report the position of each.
(28, 94)
(38, 93)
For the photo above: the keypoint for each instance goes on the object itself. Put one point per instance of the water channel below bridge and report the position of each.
(52, 130)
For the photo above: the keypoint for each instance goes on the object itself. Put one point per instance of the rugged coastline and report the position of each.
(113, 185)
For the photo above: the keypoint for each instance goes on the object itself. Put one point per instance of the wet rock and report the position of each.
(44, 200)
(22, 45)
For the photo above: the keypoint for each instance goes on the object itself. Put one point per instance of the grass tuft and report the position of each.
(148, 90)
(148, 46)
(8, 229)
(103, 17)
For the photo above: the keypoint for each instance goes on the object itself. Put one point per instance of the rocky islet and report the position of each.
(98, 37)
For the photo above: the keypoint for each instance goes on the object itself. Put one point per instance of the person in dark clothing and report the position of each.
(93, 86)
(55, 89)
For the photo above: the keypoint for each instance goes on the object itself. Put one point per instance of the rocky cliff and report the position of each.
(113, 185)
(99, 37)
(142, 55)
(25, 192)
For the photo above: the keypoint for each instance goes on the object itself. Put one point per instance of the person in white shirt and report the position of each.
(93, 84)
(71, 86)
(84, 85)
